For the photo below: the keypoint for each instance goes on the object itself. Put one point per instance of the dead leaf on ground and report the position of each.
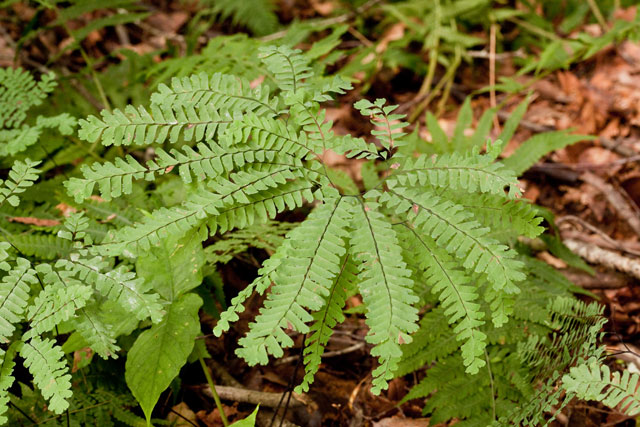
(185, 413)
(399, 421)
(40, 222)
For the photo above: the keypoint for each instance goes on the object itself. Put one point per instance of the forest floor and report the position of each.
(593, 188)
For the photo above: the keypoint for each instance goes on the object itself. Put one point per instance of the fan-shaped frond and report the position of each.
(14, 294)
(326, 319)
(222, 91)
(453, 230)
(303, 281)
(45, 361)
(386, 287)
(141, 127)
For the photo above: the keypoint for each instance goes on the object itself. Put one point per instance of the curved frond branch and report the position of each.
(386, 287)
(225, 92)
(45, 361)
(458, 298)
(302, 281)
(326, 319)
(452, 229)
(14, 294)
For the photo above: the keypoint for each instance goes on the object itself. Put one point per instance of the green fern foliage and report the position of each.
(45, 361)
(429, 239)
(593, 380)
(257, 15)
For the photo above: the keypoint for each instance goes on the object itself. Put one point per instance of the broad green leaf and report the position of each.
(250, 421)
(174, 266)
(158, 354)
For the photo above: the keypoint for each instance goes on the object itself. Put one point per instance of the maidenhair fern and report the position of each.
(265, 158)
(429, 240)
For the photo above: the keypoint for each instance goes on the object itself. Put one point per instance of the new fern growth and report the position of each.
(249, 155)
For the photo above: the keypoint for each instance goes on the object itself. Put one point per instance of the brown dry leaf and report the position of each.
(79, 356)
(40, 222)
(324, 8)
(213, 419)
(399, 421)
(168, 22)
(531, 190)
(395, 32)
(185, 412)
(551, 260)
(65, 209)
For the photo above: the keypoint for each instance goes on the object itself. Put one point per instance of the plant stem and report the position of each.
(596, 12)
(212, 386)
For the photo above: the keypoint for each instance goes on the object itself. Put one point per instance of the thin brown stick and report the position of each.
(263, 398)
(347, 350)
(612, 243)
(596, 255)
(492, 73)
(617, 201)
(602, 280)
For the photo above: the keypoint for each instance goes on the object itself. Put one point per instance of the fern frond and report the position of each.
(303, 281)
(257, 15)
(141, 127)
(21, 176)
(266, 275)
(96, 333)
(268, 133)
(457, 296)
(116, 284)
(326, 319)
(508, 218)
(386, 288)
(19, 92)
(388, 126)
(42, 246)
(453, 230)
(471, 173)
(593, 380)
(56, 303)
(45, 361)
(289, 67)
(434, 340)
(223, 91)
(6, 378)
(14, 294)
(208, 207)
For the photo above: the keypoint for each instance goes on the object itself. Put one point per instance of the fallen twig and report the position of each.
(347, 350)
(616, 199)
(602, 280)
(263, 398)
(596, 255)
